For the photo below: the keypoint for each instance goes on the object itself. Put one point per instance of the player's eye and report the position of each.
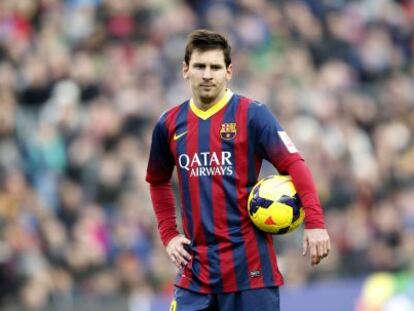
(216, 67)
(199, 66)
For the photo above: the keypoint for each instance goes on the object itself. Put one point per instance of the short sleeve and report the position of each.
(272, 143)
(161, 161)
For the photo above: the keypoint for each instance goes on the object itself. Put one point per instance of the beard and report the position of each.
(207, 97)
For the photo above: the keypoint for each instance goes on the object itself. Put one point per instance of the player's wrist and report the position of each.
(167, 239)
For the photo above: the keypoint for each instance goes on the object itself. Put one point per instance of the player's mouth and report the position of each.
(206, 85)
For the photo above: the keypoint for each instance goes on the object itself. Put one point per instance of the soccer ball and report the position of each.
(274, 206)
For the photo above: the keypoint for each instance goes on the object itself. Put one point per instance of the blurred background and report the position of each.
(82, 83)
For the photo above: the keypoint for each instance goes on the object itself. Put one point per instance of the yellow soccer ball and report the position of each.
(274, 206)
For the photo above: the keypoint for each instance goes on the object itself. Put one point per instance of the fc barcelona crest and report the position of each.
(228, 131)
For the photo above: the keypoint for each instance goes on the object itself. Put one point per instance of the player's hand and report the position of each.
(177, 252)
(318, 243)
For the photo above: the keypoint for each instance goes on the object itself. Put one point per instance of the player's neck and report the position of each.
(206, 104)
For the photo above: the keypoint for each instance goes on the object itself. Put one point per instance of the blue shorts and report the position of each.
(260, 299)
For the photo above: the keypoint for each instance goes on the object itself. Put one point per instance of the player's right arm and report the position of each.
(159, 172)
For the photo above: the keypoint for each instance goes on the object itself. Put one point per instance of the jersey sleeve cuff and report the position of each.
(168, 237)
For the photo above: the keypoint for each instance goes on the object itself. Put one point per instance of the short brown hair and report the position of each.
(204, 40)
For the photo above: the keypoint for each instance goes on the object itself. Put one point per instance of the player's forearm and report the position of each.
(164, 207)
(305, 186)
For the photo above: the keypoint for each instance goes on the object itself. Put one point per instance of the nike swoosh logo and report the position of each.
(176, 137)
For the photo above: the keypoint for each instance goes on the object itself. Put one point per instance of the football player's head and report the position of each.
(204, 40)
(207, 65)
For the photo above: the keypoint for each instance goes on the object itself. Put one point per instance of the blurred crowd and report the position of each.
(82, 83)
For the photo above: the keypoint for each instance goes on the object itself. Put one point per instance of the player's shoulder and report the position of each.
(255, 107)
(171, 112)
(250, 102)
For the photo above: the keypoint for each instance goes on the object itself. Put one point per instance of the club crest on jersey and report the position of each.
(228, 131)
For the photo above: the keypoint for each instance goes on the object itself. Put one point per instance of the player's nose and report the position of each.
(207, 73)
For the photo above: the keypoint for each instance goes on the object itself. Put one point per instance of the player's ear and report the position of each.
(229, 72)
(185, 71)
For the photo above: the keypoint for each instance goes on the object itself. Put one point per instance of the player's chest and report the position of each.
(212, 134)
(208, 147)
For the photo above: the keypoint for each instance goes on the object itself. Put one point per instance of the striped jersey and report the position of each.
(218, 155)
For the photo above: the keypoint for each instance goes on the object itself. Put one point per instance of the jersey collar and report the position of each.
(213, 109)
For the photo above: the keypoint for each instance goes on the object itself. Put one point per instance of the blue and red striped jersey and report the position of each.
(218, 154)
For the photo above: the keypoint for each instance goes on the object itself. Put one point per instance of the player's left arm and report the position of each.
(315, 238)
(274, 145)
(318, 243)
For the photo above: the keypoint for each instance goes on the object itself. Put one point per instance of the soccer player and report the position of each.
(218, 140)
